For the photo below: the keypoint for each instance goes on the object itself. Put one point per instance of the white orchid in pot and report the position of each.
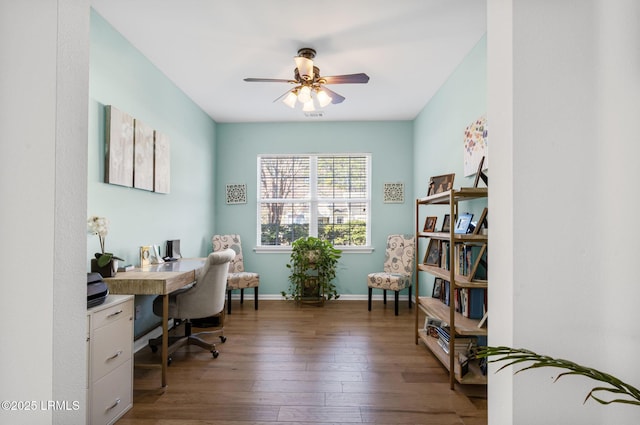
(105, 263)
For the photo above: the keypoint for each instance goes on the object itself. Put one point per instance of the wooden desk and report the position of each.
(157, 279)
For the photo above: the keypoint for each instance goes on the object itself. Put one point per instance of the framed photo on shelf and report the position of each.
(463, 223)
(481, 175)
(438, 283)
(430, 224)
(482, 222)
(479, 266)
(446, 223)
(432, 256)
(438, 184)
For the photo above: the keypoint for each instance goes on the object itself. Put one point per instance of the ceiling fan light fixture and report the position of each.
(304, 95)
(309, 87)
(323, 98)
(308, 106)
(290, 99)
(305, 68)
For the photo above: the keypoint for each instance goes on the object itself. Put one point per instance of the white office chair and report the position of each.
(204, 299)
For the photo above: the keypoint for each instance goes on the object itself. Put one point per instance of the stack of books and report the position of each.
(462, 344)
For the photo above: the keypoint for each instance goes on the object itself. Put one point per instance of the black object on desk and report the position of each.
(173, 250)
(97, 290)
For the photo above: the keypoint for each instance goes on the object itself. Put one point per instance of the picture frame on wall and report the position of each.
(161, 163)
(119, 147)
(143, 155)
(430, 224)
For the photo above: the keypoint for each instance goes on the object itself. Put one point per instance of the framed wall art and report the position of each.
(476, 145)
(236, 194)
(143, 156)
(161, 163)
(394, 193)
(119, 147)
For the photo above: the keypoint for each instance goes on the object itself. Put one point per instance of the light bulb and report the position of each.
(323, 98)
(305, 94)
(308, 106)
(290, 100)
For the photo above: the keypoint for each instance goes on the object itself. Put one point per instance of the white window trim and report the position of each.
(313, 225)
(363, 249)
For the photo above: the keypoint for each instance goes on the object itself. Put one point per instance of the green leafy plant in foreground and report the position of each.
(515, 356)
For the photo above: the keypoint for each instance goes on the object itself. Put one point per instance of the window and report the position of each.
(326, 196)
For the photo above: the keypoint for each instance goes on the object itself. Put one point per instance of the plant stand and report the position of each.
(313, 266)
(311, 291)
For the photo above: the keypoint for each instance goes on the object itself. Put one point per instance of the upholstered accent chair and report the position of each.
(202, 300)
(238, 278)
(398, 268)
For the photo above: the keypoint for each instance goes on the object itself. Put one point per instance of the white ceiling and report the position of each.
(206, 47)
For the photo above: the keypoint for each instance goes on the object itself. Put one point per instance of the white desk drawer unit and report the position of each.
(110, 368)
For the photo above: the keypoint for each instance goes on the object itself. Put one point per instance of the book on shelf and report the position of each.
(471, 261)
(472, 302)
(444, 255)
(461, 347)
(484, 319)
(446, 292)
(462, 342)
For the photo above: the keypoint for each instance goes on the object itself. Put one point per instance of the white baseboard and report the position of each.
(345, 297)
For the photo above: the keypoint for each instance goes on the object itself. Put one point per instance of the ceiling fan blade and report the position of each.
(335, 97)
(269, 80)
(361, 78)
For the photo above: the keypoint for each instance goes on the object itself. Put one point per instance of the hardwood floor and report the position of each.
(289, 364)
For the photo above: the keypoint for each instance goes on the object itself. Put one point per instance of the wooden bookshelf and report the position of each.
(459, 325)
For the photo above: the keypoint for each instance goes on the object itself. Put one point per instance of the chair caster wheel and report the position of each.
(215, 354)
(223, 338)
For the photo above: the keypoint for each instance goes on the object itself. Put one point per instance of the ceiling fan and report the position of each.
(310, 87)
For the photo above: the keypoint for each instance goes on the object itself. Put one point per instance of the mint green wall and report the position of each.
(122, 77)
(391, 146)
(206, 156)
(439, 131)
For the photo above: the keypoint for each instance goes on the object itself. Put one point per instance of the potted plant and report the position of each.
(105, 263)
(313, 264)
